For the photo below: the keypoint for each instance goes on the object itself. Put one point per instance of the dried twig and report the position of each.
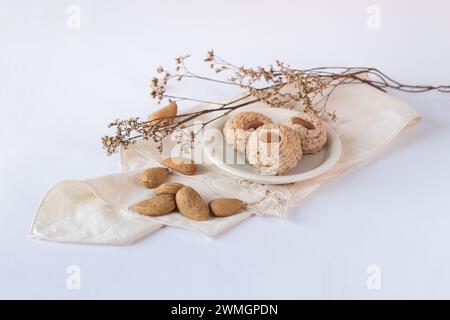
(309, 89)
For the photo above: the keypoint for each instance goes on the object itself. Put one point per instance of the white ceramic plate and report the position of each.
(308, 167)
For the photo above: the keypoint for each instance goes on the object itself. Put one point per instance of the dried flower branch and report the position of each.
(310, 89)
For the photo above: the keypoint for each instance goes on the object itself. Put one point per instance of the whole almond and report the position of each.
(225, 207)
(165, 114)
(308, 125)
(183, 165)
(191, 204)
(168, 188)
(154, 176)
(157, 206)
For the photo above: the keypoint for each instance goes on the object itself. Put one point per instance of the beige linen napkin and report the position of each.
(97, 210)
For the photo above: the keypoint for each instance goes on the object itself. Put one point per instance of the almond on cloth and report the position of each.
(183, 165)
(165, 115)
(191, 204)
(157, 206)
(153, 177)
(168, 188)
(225, 207)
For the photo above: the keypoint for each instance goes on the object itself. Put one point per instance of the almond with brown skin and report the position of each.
(225, 207)
(157, 206)
(191, 204)
(165, 114)
(153, 177)
(308, 125)
(183, 165)
(168, 188)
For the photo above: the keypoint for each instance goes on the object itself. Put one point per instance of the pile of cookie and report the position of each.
(272, 148)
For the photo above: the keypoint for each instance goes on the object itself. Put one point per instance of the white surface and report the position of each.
(58, 88)
(309, 166)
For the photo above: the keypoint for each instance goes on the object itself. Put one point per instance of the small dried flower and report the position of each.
(311, 91)
(209, 56)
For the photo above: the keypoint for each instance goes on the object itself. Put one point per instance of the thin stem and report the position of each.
(192, 99)
(193, 76)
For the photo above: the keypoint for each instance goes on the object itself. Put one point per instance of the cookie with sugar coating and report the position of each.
(274, 149)
(239, 127)
(312, 131)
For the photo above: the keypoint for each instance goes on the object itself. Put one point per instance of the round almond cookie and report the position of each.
(312, 131)
(274, 149)
(239, 127)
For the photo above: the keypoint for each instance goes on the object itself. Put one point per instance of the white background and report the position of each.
(59, 88)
